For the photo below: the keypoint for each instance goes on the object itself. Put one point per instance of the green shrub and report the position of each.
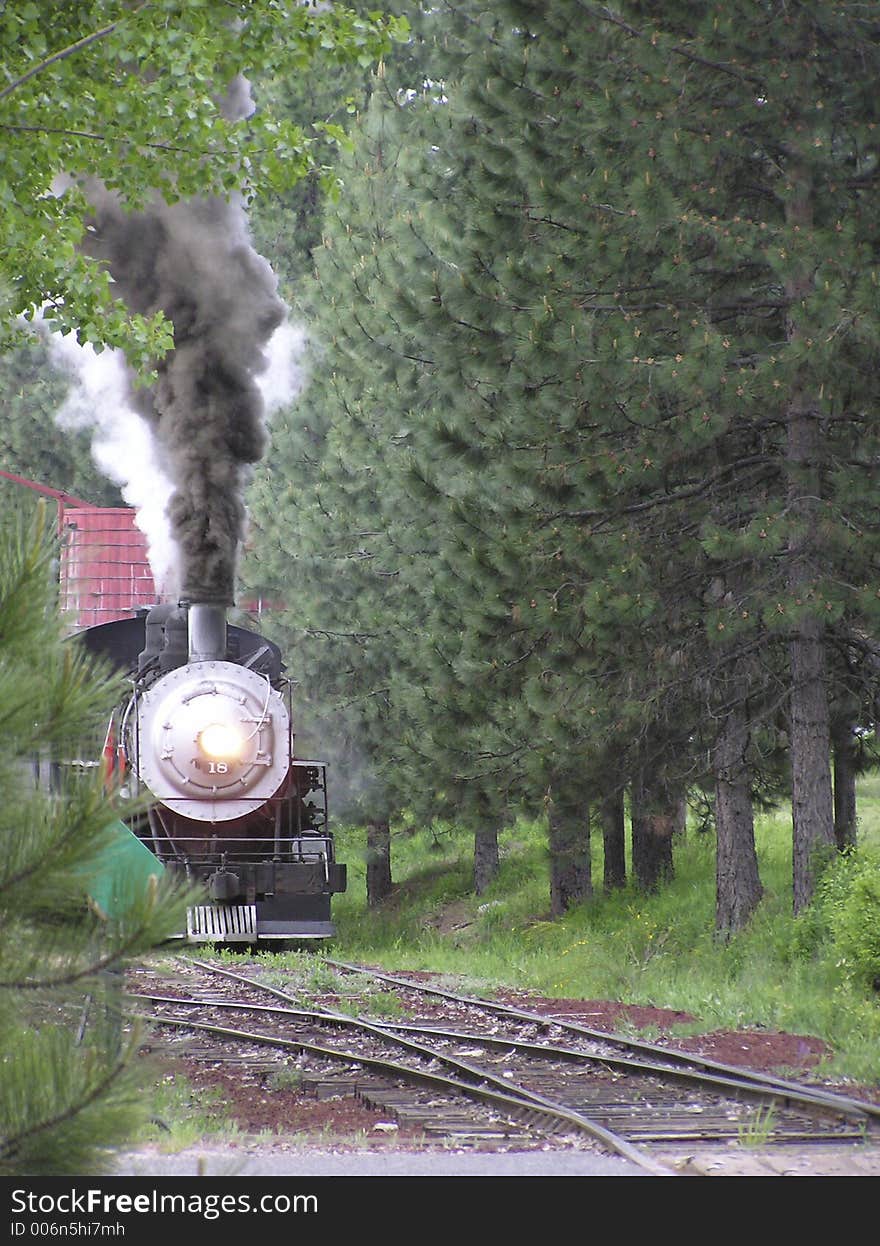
(854, 920)
(814, 932)
(843, 922)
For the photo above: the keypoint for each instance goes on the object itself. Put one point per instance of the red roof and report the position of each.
(105, 572)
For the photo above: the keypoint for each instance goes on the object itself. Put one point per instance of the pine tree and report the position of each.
(602, 411)
(327, 542)
(672, 401)
(69, 1090)
(362, 552)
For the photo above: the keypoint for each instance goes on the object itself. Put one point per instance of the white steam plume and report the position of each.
(123, 446)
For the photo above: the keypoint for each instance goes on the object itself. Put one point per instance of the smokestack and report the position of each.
(206, 624)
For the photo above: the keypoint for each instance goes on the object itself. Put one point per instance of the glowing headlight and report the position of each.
(221, 740)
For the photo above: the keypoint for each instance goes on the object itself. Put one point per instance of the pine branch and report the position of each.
(664, 499)
(12, 1143)
(606, 15)
(131, 943)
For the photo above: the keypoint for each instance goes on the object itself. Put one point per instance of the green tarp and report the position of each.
(123, 874)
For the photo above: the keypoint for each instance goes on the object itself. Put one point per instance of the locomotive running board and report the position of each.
(233, 923)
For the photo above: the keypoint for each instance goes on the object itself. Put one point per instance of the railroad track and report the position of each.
(480, 1072)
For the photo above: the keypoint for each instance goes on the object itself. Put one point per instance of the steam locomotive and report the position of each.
(207, 735)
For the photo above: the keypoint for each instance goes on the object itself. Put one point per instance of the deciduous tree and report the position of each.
(137, 96)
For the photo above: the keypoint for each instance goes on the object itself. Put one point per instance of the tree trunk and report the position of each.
(737, 883)
(809, 735)
(569, 839)
(811, 798)
(378, 862)
(845, 756)
(611, 814)
(653, 822)
(485, 856)
(680, 816)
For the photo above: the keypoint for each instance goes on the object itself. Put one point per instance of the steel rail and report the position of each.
(792, 1096)
(746, 1077)
(392, 1030)
(522, 1098)
(621, 1145)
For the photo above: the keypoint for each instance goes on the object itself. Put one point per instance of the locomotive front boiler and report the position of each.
(213, 739)
(208, 734)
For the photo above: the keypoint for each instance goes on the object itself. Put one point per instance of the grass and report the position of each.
(781, 973)
(182, 1117)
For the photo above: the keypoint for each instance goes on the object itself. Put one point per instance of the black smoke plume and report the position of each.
(194, 261)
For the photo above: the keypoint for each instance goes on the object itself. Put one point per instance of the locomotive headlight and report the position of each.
(214, 740)
(221, 741)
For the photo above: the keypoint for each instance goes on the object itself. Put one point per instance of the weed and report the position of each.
(758, 1129)
(182, 1117)
(286, 1078)
(386, 1004)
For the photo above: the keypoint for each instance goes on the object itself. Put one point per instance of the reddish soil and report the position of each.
(247, 1097)
(762, 1050)
(255, 1107)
